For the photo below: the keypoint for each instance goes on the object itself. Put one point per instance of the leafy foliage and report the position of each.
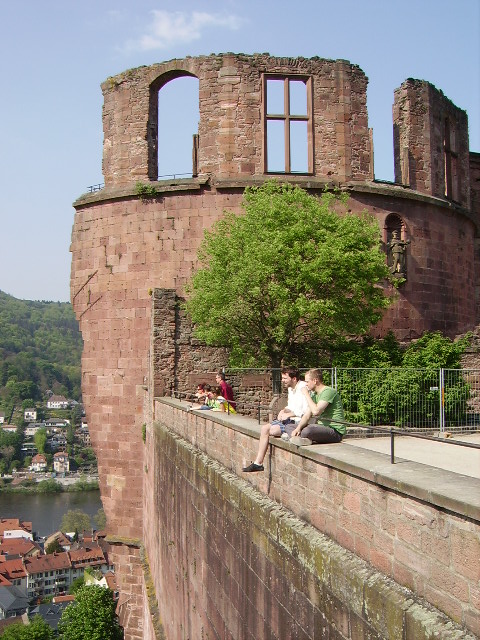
(40, 440)
(40, 349)
(382, 384)
(54, 547)
(284, 280)
(91, 616)
(77, 584)
(100, 519)
(75, 520)
(38, 629)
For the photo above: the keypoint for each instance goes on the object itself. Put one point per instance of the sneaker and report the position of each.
(285, 437)
(300, 442)
(253, 467)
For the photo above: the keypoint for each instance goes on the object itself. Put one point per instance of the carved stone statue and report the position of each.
(396, 251)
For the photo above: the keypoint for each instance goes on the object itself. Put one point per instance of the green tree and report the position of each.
(77, 584)
(40, 440)
(75, 520)
(288, 277)
(54, 547)
(38, 629)
(100, 519)
(91, 616)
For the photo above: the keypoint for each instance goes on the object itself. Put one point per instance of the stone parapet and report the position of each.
(416, 525)
(323, 540)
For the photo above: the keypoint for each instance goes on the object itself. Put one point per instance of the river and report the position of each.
(45, 510)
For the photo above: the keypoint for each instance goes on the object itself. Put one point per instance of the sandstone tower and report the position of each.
(123, 245)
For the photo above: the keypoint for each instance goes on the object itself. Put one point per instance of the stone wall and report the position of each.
(426, 125)
(125, 247)
(231, 140)
(318, 547)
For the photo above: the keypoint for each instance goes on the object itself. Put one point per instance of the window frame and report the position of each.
(287, 119)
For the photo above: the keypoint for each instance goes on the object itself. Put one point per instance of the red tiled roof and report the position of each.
(18, 546)
(4, 582)
(49, 562)
(111, 581)
(14, 523)
(13, 569)
(87, 556)
(69, 598)
(39, 458)
(60, 537)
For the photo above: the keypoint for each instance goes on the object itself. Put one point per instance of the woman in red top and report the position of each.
(227, 391)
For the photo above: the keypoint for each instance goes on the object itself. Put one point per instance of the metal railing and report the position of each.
(98, 187)
(95, 187)
(403, 398)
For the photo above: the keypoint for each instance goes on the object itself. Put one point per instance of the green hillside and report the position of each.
(40, 349)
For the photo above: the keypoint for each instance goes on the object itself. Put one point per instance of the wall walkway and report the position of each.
(330, 541)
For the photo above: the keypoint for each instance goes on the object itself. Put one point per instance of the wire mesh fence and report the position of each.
(412, 399)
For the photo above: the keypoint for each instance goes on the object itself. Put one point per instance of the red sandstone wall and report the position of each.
(230, 128)
(419, 114)
(122, 247)
(215, 569)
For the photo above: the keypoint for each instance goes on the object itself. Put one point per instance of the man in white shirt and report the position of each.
(287, 418)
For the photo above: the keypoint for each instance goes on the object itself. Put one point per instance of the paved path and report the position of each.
(436, 454)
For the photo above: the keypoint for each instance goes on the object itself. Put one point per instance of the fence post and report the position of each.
(442, 399)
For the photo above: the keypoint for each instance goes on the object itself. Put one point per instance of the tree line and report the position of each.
(40, 349)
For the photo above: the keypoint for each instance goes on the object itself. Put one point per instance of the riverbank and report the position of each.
(51, 485)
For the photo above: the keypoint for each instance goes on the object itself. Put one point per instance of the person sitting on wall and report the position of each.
(219, 403)
(226, 389)
(204, 399)
(287, 418)
(323, 402)
(200, 392)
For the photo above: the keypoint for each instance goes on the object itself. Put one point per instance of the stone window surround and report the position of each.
(288, 118)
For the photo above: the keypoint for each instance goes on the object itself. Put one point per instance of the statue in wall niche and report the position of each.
(396, 255)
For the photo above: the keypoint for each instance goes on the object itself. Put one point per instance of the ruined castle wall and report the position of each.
(427, 125)
(124, 247)
(231, 140)
(439, 292)
(250, 558)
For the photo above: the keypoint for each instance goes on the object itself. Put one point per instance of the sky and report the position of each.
(55, 54)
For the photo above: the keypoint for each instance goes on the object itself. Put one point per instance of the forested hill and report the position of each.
(40, 349)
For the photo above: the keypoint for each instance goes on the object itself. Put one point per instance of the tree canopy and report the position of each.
(38, 629)
(91, 616)
(40, 349)
(288, 277)
(75, 520)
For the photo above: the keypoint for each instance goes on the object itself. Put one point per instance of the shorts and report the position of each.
(286, 426)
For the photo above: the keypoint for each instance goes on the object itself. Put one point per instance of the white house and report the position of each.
(32, 429)
(30, 415)
(60, 462)
(39, 463)
(57, 402)
(9, 534)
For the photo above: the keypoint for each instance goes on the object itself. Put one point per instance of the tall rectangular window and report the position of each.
(451, 161)
(288, 128)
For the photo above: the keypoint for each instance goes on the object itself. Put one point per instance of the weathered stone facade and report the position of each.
(123, 246)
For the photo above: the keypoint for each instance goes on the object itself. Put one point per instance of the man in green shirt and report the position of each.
(318, 424)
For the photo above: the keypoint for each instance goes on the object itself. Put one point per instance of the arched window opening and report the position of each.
(178, 117)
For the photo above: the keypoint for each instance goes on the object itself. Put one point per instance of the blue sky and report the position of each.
(55, 54)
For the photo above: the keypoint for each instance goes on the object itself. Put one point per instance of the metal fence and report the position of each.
(410, 399)
(416, 399)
